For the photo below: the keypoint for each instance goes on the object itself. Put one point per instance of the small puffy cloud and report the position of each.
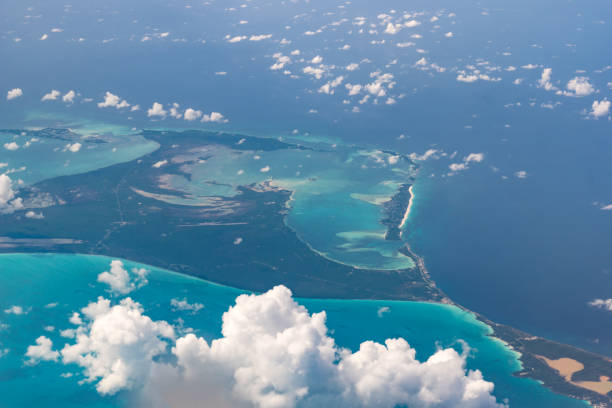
(260, 37)
(281, 61)
(214, 117)
(44, 37)
(600, 108)
(328, 88)
(544, 81)
(159, 164)
(458, 166)
(174, 111)
(352, 66)
(157, 110)
(183, 305)
(316, 72)
(449, 34)
(521, 174)
(467, 78)
(15, 310)
(470, 158)
(353, 89)
(393, 29)
(474, 157)
(73, 147)
(265, 169)
(14, 93)
(11, 146)
(579, 86)
(316, 60)
(120, 280)
(605, 304)
(69, 97)
(607, 207)
(112, 101)
(430, 153)
(41, 351)
(191, 114)
(377, 88)
(9, 202)
(235, 39)
(34, 215)
(51, 96)
(76, 319)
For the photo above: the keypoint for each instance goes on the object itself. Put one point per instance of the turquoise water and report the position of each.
(338, 192)
(70, 281)
(39, 158)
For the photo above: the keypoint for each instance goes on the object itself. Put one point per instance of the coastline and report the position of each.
(529, 350)
(407, 213)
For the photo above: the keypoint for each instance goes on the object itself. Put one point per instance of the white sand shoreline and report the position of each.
(407, 213)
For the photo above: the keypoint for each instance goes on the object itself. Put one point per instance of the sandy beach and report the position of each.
(407, 213)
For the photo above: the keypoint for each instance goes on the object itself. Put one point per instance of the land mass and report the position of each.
(243, 241)
(121, 211)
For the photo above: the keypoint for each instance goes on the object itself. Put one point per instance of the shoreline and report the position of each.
(407, 213)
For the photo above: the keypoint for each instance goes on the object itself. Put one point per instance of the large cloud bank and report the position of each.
(273, 353)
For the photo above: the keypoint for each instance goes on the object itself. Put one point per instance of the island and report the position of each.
(150, 210)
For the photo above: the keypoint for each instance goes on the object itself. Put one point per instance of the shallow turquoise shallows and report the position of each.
(36, 282)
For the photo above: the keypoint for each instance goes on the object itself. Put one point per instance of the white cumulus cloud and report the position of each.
(69, 97)
(51, 96)
(579, 86)
(112, 101)
(157, 110)
(116, 345)
(545, 78)
(12, 146)
(41, 351)
(600, 108)
(605, 304)
(14, 93)
(214, 117)
(120, 280)
(470, 158)
(273, 353)
(191, 114)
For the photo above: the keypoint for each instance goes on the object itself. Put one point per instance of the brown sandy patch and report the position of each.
(566, 367)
